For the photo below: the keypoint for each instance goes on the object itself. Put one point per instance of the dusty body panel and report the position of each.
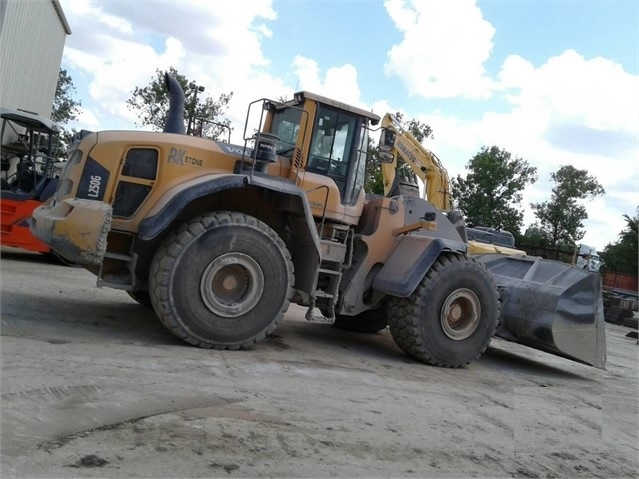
(417, 250)
(393, 249)
(77, 229)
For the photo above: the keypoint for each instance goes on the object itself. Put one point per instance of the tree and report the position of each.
(65, 108)
(561, 218)
(535, 236)
(622, 256)
(374, 177)
(421, 131)
(151, 103)
(491, 192)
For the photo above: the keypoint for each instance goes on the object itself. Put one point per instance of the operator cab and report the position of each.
(29, 144)
(338, 143)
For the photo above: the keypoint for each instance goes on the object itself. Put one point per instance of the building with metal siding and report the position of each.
(32, 37)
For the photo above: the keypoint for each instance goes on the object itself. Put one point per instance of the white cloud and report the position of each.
(597, 94)
(216, 44)
(114, 77)
(570, 110)
(339, 83)
(443, 49)
(87, 119)
(116, 23)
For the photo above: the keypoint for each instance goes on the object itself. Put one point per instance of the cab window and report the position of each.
(286, 126)
(333, 151)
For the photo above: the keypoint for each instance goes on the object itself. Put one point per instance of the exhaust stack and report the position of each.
(175, 115)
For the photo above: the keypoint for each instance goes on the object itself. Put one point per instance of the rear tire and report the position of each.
(451, 317)
(368, 322)
(222, 280)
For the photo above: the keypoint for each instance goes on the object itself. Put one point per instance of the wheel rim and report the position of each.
(232, 284)
(460, 314)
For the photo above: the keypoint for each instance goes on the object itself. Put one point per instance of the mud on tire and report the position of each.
(451, 317)
(222, 280)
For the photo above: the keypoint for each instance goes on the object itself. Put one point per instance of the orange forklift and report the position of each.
(29, 174)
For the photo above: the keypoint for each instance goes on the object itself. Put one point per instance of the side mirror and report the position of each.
(387, 140)
(386, 157)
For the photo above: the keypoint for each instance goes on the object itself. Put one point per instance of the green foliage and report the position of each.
(536, 242)
(151, 104)
(561, 218)
(536, 236)
(621, 256)
(374, 178)
(419, 130)
(65, 108)
(491, 192)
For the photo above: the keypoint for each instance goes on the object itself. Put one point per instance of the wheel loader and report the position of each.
(220, 238)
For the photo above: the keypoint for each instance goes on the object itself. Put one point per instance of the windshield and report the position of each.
(286, 126)
(334, 150)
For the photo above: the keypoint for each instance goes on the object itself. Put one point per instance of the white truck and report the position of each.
(587, 258)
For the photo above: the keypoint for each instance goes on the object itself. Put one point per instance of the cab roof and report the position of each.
(300, 96)
(29, 120)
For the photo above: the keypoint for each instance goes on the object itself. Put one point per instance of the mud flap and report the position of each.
(550, 306)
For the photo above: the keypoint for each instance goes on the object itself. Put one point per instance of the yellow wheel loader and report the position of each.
(219, 238)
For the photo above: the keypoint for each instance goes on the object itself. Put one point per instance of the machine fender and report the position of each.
(306, 247)
(152, 226)
(410, 261)
(303, 208)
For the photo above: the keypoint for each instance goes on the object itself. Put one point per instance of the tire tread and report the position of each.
(168, 251)
(404, 313)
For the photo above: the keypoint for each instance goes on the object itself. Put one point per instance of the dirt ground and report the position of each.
(93, 386)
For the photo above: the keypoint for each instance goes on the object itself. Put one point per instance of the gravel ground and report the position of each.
(93, 386)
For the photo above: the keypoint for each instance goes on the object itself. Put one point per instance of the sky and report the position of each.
(553, 82)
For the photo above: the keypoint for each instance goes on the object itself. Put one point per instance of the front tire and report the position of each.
(451, 317)
(221, 280)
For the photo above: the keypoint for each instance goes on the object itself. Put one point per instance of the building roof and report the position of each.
(63, 19)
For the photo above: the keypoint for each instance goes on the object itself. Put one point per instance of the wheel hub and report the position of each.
(460, 314)
(232, 284)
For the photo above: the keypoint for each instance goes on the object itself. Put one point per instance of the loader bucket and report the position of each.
(551, 306)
